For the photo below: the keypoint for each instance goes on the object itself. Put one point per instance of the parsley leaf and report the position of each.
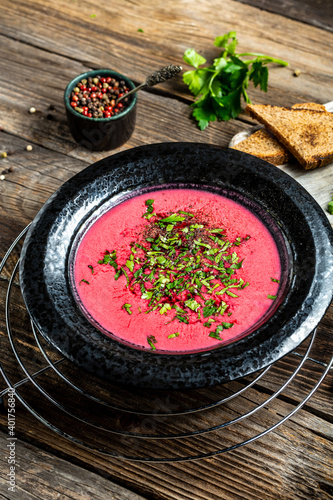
(193, 58)
(220, 87)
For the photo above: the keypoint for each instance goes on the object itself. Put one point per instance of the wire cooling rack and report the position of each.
(138, 425)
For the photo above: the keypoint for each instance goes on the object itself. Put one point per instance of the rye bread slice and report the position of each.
(309, 105)
(263, 145)
(306, 133)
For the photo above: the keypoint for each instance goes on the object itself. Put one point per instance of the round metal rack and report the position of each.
(147, 426)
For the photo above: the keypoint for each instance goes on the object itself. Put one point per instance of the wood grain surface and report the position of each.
(43, 45)
(316, 12)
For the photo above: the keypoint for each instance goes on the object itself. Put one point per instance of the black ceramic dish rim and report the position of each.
(148, 358)
(102, 72)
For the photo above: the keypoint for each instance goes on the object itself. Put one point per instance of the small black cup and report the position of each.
(101, 134)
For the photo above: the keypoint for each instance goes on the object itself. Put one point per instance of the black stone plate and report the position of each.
(299, 226)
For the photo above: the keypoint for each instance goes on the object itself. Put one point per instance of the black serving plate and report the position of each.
(298, 224)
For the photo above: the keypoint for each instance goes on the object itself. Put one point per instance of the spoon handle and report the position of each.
(159, 76)
(139, 87)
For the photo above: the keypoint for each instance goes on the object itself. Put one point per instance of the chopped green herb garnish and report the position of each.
(173, 218)
(165, 308)
(272, 297)
(185, 213)
(127, 308)
(84, 281)
(275, 281)
(91, 268)
(330, 207)
(173, 335)
(130, 265)
(227, 325)
(152, 341)
(181, 267)
(150, 210)
(192, 304)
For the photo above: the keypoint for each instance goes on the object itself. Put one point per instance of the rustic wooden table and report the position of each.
(45, 44)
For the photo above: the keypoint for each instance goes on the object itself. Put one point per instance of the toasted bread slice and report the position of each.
(263, 145)
(306, 133)
(309, 105)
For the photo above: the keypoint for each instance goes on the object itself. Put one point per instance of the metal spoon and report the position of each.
(159, 76)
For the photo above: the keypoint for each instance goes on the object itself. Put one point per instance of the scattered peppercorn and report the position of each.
(297, 72)
(29, 147)
(96, 97)
(32, 110)
(4, 154)
(7, 170)
(2, 177)
(52, 107)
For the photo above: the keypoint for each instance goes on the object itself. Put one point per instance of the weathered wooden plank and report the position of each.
(158, 119)
(292, 462)
(111, 39)
(318, 13)
(40, 475)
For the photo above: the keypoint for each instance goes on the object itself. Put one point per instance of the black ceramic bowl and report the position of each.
(101, 134)
(299, 224)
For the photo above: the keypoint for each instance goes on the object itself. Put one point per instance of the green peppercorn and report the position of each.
(96, 81)
(4, 154)
(76, 89)
(84, 81)
(79, 110)
(105, 85)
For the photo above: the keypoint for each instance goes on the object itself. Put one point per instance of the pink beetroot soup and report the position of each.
(177, 270)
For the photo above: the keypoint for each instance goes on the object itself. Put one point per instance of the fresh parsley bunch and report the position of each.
(219, 87)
